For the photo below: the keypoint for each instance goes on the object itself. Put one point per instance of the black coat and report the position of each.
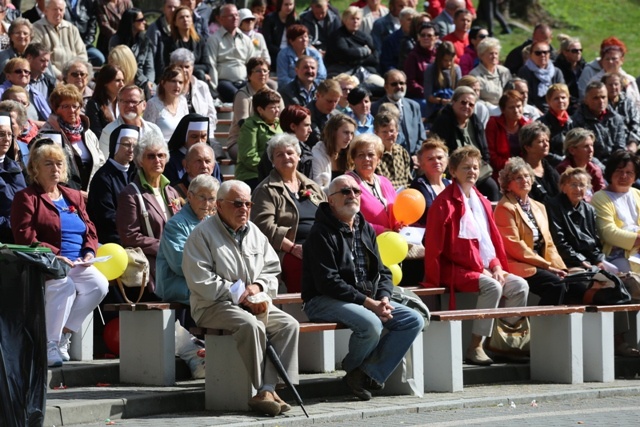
(105, 187)
(446, 127)
(574, 231)
(546, 187)
(328, 268)
(558, 132)
(611, 132)
(347, 51)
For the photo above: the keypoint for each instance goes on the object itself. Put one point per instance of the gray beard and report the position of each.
(396, 96)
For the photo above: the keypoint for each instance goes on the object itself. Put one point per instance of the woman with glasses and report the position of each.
(79, 73)
(27, 128)
(423, 54)
(20, 32)
(18, 73)
(464, 249)
(149, 192)
(571, 63)
(285, 207)
(540, 74)
(78, 140)
(132, 33)
(102, 108)
(168, 107)
(55, 215)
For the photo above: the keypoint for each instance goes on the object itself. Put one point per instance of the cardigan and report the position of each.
(380, 217)
(610, 225)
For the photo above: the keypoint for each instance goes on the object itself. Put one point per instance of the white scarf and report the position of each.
(474, 224)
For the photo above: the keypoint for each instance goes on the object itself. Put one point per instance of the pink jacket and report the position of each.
(373, 210)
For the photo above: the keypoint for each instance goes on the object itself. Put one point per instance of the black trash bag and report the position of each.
(23, 335)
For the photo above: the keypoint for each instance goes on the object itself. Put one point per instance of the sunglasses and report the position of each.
(575, 50)
(542, 52)
(346, 191)
(26, 72)
(78, 74)
(239, 203)
(396, 84)
(140, 20)
(483, 36)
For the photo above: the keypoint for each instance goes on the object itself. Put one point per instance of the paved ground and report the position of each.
(556, 405)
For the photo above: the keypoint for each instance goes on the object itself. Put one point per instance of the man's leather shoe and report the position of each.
(477, 356)
(284, 406)
(265, 403)
(357, 381)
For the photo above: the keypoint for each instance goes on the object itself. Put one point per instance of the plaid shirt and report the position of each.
(357, 252)
(395, 165)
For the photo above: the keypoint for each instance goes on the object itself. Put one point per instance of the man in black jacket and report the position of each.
(321, 21)
(301, 90)
(344, 280)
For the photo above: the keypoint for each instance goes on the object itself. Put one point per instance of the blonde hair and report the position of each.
(41, 151)
(123, 57)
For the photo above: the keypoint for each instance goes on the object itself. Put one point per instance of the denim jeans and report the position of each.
(376, 355)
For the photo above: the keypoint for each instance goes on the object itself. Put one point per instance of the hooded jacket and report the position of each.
(328, 267)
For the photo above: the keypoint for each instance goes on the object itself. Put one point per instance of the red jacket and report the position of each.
(498, 143)
(437, 6)
(34, 218)
(449, 260)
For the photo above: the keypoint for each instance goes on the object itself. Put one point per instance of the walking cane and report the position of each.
(275, 359)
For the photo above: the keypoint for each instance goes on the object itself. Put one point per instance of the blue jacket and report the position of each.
(11, 181)
(287, 59)
(171, 286)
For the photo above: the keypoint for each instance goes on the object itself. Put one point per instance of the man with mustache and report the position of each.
(344, 280)
(302, 90)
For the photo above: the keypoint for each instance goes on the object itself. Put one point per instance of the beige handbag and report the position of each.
(136, 275)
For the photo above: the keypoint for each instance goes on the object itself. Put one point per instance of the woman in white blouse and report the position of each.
(168, 106)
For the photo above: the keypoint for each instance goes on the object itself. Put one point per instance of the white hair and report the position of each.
(233, 184)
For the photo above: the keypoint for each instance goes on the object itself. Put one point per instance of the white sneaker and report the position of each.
(63, 346)
(53, 355)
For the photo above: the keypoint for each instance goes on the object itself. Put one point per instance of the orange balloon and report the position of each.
(409, 206)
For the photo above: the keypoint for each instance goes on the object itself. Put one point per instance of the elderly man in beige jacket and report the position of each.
(59, 36)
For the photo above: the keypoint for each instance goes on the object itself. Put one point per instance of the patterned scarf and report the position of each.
(72, 132)
(545, 75)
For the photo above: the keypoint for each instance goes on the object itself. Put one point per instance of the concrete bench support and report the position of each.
(556, 348)
(81, 347)
(227, 386)
(316, 351)
(597, 338)
(442, 343)
(147, 347)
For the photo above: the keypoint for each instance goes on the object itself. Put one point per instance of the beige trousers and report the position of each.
(250, 334)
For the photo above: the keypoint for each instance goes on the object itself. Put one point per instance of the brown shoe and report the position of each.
(265, 403)
(284, 406)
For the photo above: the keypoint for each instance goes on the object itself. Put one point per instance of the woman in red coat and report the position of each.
(56, 216)
(464, 250)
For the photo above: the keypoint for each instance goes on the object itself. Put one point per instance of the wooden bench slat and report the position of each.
(495, 313)
(612, 308)
(145, 306)
(425, 292)
(304, 327)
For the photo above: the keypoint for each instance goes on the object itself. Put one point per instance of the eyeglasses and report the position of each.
(6, 135)
(131, 102)
(204, 199)
(25, 72)
(542, 52)
(575, 50)
(578, 185)
(153, 156)
(127, 145)
(74, 107)
(396, 84)
(239, 204)
(346, 191)
(79, 74)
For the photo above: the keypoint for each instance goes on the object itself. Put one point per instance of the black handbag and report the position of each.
(600, 287)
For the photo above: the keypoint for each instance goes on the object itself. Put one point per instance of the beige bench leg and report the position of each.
(81, 347)
(227, 383)
(556, 348)
(147, 347)
(443, 356)
(316, 352)
(597, 333)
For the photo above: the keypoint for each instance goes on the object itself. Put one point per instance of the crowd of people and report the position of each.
(367, 102)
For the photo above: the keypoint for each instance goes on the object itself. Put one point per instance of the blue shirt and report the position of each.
(72, 229)
(286, 65)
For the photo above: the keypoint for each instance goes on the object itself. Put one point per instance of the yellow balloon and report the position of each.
(116, 265)
(393, 248)
(396, 274)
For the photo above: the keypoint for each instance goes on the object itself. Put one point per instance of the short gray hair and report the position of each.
(231, 184)
(574, 137)
(204, 182)
(77, 60)
(10, 106)
(146, 143)
(182, 55)
(488, 43)
(334, 183)
(197, 145)
(20, 22)
(529, 132)
(407, 11)
(513, 166)
(282, 140)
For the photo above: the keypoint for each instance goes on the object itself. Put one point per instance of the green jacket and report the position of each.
(252, 143)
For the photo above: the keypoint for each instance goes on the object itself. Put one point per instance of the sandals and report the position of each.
(625, 350)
